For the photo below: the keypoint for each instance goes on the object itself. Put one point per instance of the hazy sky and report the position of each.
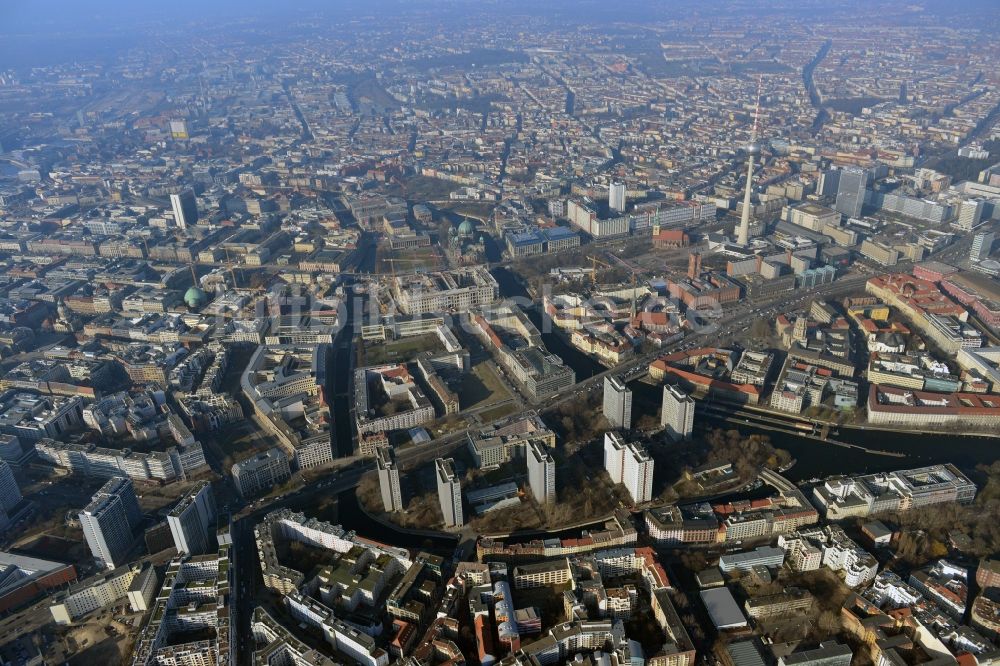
(19, 15)
(46, 31)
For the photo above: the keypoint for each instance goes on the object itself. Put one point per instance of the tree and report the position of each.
(694, 560)
(444, 228)
(829, 623)
(761, 328)
(647, 422)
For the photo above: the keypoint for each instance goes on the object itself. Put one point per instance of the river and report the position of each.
(813, 458)
(353, 518)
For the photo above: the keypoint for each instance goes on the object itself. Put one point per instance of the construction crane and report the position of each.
(594, 262)
(232, 270)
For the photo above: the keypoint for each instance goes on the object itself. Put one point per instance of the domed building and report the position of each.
(466, 229)
(195, 297)
(463, 247)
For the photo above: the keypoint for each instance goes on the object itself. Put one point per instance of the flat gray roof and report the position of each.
(28, 563)
(722, 608)
(824, 651)
(745, 653)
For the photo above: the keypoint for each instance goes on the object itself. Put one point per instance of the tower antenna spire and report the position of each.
(743, 232)
(756, 111)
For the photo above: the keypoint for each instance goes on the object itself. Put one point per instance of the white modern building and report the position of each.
(388, 478)
(109, 522)
(541, 473)
(458, 290)
(677, 413)
(838, 552)
(162, 466)
(281, 644)
(617, 403)
(982, 244)
(193, 602)
(31, 417)
(257, 474)
(449, 492)
(502, 442)
(614, 451)
(970, 214)
(629, 464)
(285, 383)
(185, 209)
(192, 521)
(638, 474)
(888, 590)
(902, 490)
(617, 197)
(135, 581)
(762, 556)
(357, 646)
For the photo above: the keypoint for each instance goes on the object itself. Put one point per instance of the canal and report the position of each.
(815, 459)
(340, 363)
(346, 511)
(353, 518)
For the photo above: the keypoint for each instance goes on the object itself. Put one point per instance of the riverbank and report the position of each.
(521, 535)
(595, 523)
(353, 516)
(803, 435)
(925, 430)
(863, 451)
(388, 524)
(815, 97)
(820, 423)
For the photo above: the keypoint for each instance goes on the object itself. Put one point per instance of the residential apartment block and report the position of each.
(629, 464)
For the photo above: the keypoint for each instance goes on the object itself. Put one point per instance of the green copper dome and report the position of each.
(195, 297)
(466, 228)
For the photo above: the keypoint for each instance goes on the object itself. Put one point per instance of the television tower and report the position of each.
(743, 237)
